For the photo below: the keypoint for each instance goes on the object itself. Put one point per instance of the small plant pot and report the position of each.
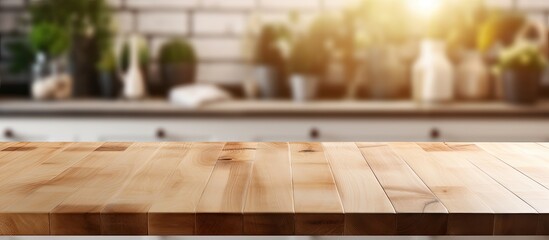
(177, 74)
(304, 87)
(109, 85)
(267, 81)
(521, 86)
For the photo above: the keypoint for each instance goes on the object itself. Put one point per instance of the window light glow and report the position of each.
(424, 8)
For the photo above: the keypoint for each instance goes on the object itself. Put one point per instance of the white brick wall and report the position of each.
(124, 22)
(214, 26)
(161, 22)
(147, 4)
(8, 21)
(290, 4)
(229, 4)
(11, 3)
(223, 73)
(212, 23)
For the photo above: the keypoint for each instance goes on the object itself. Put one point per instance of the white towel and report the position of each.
(197, 95)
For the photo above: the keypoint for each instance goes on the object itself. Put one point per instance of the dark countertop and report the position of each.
(239, 108)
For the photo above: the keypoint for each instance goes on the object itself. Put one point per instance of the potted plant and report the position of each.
(269, 61)
(305, 68)
(109, 83)
(498, 32)
(177, 63)
(521, 68)
(88, 26)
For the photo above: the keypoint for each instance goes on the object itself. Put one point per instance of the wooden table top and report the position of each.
(274, 188)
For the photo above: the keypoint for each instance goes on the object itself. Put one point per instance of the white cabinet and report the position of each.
(271, 129)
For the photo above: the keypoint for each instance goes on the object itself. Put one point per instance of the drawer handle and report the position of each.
(160, 133)
(435, 133)
(8, 133)
(314, 133)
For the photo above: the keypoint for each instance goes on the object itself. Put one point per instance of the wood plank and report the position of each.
(26, 156)
(419, 211)
(127, 212)
(468, 214)
(528, 159)
(524, 187)
(318, 208)
(25, 214)
(269, 208)
(513, 216)
(180, 194)
(220, 209)
(36, 177)
(530, 165)
(368, 210)
(77, 212)
(18, 160)
(4, 145)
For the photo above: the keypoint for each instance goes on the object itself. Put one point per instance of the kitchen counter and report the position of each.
(239, 108)
(274, 188)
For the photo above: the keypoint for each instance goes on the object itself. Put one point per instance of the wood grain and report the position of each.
(127, 212)
(520, 160)
(468, 214)
(274, 188)
(173, 212)
(219, 211)
(502, 201)
(79, 212)
(318, 208)
(364, 200)
(269, 206)
(419, 210)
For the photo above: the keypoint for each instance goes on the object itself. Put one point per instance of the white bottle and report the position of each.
(433, 74)
(134, 84)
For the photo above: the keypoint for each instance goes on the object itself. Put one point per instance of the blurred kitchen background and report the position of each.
(274, 70)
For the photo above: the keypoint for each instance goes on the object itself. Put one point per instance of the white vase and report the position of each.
(473, 81)
(134, 83)
(433, 74)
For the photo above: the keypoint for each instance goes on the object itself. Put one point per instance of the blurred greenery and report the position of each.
(22, 56)
(268, 49)
(304, 58)
(59, 26)
(177, 51)
(50, 39)
(108, 62)
(500, 26)
(91, 18)
(522, 56)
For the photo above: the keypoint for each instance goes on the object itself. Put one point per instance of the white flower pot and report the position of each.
(304, 87)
